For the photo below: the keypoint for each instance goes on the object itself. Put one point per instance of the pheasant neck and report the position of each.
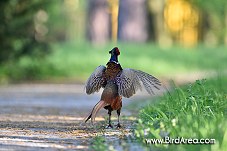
(114, 59)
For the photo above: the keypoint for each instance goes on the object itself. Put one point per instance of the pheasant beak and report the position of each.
(109, 52)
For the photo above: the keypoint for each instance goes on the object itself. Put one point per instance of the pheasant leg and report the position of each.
(118, 118)
(109, 125)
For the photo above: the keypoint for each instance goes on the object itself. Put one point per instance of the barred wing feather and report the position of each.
(130, 80)
(94, 82)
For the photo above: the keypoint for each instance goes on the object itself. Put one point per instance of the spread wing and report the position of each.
(95, 81)
(130, 80)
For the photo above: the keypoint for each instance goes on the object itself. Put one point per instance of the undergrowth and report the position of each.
(197, 110)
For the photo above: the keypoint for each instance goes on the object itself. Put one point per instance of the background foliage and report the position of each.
(49, 39)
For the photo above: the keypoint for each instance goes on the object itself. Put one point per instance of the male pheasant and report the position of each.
(117, 82)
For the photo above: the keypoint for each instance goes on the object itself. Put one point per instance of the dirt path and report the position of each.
(34, 132)
(48, 117)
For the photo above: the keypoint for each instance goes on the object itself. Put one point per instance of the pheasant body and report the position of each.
(111, 71)
(117, 82)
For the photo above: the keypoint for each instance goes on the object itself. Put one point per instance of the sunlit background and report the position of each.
(66, 39)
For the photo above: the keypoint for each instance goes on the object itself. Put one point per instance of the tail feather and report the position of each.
(97, 107)
(94, 111)
(87, 118)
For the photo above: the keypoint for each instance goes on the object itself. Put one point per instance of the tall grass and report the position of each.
(197, 110)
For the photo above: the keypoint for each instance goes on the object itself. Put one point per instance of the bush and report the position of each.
(22, 29)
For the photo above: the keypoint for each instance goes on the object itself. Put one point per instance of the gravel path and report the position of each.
(48, 117)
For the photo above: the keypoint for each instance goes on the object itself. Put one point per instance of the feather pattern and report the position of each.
(95, 81)
(130, 80)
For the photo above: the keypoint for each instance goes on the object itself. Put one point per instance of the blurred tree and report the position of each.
(74, 19)
(132, 21)
(182, 22)
(98, 21)
(114, 9)
(214, 20)
(23, 28)
(157, 23)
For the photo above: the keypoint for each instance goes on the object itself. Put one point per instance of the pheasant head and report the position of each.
(114, 55)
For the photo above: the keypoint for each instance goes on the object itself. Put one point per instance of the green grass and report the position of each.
(98, 144)
(76, 61)
(197, 110)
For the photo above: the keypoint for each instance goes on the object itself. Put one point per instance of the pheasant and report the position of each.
(117, 82)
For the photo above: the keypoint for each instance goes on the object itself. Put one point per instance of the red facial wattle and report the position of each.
(117, 51)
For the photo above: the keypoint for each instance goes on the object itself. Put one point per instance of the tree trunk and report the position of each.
(132, 24)
(98, 23)
(158, 32)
